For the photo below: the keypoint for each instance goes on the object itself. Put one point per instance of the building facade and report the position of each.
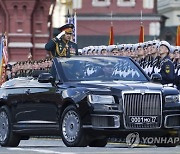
(170, 9)
(25, 22)
(94, 20)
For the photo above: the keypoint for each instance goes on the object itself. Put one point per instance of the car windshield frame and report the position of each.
(102, 59)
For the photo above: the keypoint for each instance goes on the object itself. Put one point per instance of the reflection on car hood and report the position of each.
(121, 85)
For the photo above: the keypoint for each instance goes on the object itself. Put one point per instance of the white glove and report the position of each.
(60, 34)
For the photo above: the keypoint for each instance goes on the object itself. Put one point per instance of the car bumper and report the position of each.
(108, 120)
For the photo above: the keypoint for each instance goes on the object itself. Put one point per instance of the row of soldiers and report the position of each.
(26, 68)
(153, 56)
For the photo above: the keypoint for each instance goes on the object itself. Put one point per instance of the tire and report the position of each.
(98, 143)
(71, 128)
(7, 137)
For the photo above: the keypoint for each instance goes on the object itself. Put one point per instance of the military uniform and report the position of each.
(155, 65)
(60, 47)
(167, 70)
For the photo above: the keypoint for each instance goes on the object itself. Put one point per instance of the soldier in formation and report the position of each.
(153, 56)
(26, 68)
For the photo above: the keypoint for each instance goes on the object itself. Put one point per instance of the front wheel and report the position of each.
(71, 129)
(7, 137)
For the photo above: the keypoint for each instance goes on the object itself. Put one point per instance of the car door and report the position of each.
(42, 103)
(14, 90)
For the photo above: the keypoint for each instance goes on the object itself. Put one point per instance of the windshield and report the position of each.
(101, 68)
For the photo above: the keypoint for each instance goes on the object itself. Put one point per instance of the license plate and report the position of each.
(143, 119)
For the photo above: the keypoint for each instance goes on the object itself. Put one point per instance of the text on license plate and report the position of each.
(143, 119)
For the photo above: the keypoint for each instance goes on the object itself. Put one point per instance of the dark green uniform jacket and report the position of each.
(59, 48)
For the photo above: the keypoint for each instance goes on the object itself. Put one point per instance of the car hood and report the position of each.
(120, 85)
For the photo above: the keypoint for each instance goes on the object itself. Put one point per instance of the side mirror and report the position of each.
(45, 78)
(156, 77)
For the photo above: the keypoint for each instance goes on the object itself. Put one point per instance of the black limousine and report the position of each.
(86, 101)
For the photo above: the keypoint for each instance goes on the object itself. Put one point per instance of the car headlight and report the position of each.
(172, 98)
(103, 99)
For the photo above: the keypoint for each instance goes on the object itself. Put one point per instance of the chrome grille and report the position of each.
(142, 105)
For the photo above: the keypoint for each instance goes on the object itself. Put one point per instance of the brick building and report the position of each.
(25, 22)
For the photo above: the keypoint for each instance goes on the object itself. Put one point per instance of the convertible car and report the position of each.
(86, 101)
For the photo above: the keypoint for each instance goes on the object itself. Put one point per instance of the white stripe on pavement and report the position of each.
(40, 151)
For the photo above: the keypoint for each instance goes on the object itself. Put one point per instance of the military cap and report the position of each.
(156, 43)
(128, 47)
(84, 50)
(92, 48)
(135, 46)
(174, 48)
(8, 67)
(140, 45)
(102, 47)
(110, 48)
(96, 48)
(121, 46)
(80, 51)
(67, 28)
(149, 43)
(165, 43)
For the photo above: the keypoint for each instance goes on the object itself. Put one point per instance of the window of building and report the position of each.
(19, 26)
(101, 3)
(126, 3)
(77, 4)
(148, 4)
(154, 28)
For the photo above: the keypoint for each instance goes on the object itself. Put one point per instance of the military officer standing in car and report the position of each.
(166, 65)
(61, 45)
